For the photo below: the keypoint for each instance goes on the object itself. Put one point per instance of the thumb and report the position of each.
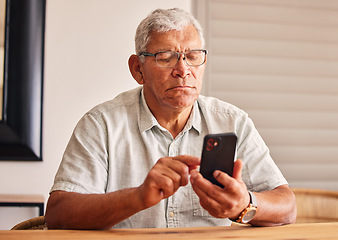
(237, 172)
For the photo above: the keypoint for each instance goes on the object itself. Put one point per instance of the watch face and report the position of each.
(249, 215)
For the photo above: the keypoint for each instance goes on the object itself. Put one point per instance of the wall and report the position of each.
(88, 43)
(277, 60)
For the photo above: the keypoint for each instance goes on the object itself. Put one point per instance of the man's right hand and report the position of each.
(107, 209)
(166, 176)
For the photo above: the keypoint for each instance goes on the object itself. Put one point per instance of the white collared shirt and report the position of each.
(116, 143)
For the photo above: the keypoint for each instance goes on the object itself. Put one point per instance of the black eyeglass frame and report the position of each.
(147, 54)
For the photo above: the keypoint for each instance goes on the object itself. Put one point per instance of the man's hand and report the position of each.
(227, 202)
(166, 176)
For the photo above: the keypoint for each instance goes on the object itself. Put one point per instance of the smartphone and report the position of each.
(218, 153)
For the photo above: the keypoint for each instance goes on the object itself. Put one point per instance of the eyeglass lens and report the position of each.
(169, 59)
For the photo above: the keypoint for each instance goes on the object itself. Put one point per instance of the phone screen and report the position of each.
(218, 153)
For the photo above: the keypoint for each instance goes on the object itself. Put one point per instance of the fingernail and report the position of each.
(216, 173)
(193, 173)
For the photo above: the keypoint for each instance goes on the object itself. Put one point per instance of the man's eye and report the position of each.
(193, 57)
(165, 57)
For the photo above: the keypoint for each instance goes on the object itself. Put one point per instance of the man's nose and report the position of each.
(181, 69)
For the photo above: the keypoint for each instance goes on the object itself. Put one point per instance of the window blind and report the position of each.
(278, 61)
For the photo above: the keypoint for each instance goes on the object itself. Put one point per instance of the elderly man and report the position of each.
(132, 162)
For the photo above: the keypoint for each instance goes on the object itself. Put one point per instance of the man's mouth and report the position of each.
(179, 87)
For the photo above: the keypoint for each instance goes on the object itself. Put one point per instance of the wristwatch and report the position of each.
(250, 211)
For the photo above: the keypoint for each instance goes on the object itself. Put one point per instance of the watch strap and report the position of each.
(253, 199)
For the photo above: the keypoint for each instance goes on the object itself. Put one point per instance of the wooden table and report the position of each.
(295, 231)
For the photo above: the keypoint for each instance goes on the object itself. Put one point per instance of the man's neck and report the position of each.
(173, 121)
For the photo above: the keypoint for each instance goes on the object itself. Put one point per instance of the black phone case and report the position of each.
(219, 152)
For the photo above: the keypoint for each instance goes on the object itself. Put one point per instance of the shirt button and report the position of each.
(171, 214)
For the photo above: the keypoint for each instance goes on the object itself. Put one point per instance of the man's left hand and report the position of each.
(227, 202)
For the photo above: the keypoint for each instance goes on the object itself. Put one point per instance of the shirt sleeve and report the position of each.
(260, 173)
(84, 166)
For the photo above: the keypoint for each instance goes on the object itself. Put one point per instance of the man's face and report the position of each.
(172, 88)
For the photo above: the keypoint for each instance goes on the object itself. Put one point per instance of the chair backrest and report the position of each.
(37, 223)
(315, 205)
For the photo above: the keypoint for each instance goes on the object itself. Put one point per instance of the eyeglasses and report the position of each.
(169, 59)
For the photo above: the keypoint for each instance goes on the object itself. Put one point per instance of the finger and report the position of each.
(196, 178)
(151, 192)
(237, 172)
(168, 187)
(206, 191)
(191, 161)
(169, 181)
(168, 175)
(205, 185)
(200, 184)
(227, 180)
(223, 178)
(173, 169)
(178, 172)
(208, 203)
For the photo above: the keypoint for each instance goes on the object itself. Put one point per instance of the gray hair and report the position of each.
(163, 20)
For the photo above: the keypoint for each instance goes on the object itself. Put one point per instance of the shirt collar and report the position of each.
(194, 120)
(148, 121)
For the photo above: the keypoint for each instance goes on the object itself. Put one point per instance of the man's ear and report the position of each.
(135, 68)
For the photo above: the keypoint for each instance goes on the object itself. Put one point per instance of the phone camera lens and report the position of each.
(210, 144)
